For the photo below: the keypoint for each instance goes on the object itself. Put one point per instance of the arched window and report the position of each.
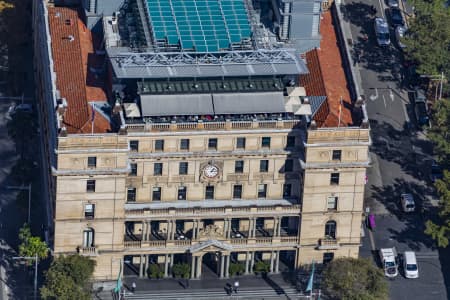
(330, 229)
(88, 237)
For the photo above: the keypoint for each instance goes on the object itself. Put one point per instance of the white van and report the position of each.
(410, 265)
(407, 202)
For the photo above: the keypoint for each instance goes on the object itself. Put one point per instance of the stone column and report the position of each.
(199, 267)
(193, 267)
(277, 262)
(247, 257)
(252, 261)
(225, 228)
(254, 227)
(147, 258)
(222, 261)
(141, 266)
(171, 261)
(271, 261)
(166, 266)
(194, 229)
(149, 230)
(169, 229)
(250, 227)
(143, 231)
(227, 268)
(279, 227)
(276, 227)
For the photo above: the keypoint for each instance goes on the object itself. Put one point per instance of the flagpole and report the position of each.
(340, 111)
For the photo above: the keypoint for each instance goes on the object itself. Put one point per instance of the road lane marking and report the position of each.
(391, 95)
(381, 8)
(384, 101)
(374, 97)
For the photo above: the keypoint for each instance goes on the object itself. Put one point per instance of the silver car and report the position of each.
(400, 34)
(382, 32)
(392, 3)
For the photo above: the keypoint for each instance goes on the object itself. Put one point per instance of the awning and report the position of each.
(243, 103)
(176, 105)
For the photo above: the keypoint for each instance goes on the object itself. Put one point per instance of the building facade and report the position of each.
(208, 171)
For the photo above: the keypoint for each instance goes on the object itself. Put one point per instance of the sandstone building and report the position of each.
(198, 141)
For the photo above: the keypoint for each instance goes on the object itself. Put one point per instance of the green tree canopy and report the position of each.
(354, 279)
(428, 37)
(31, 245)
(440, 136)
(68, 278)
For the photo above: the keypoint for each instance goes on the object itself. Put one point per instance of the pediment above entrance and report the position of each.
(210, 245)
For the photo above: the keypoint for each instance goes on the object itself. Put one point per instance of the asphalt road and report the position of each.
(400, 157)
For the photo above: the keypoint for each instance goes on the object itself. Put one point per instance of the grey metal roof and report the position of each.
(316, 102)
(243, 103)
(222, 64)
(304, 26)
(176, 105)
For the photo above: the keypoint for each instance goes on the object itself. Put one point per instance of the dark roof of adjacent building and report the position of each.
(76, 65)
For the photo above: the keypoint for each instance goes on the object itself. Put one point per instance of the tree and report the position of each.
(5, 5)
(428, 37)
(68, 278)
(31, 245)
(440, 137)
(181, 270)
(354, 278)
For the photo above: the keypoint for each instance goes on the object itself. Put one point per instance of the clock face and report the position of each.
(211, 171)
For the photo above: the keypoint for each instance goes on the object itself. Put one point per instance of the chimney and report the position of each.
(117, 108)
(313, 125)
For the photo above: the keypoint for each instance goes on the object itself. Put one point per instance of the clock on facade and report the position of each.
(210, 171)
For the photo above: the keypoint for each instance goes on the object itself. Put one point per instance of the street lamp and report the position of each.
(36, 261)
(441, 78)
(23, 188)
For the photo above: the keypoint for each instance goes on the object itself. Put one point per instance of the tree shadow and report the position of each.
(414, 223)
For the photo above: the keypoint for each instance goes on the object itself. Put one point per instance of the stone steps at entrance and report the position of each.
(265, 293)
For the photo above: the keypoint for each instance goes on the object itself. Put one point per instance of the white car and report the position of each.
(407, 202)
(410, 265)
(399, 34)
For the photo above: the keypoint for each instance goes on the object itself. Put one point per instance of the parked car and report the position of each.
(436, 172)
(410, 265)
(407, 202)
(392, 3)
(396, 17)
(399, 35)
(27, 108)
(382, 32)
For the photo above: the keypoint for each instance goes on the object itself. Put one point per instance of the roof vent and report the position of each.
(58, 14)
(68, 22)
(71, 38)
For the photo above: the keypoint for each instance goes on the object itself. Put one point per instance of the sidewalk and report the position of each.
(275, 284)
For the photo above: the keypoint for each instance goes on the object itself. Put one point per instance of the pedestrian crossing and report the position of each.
(216, 294)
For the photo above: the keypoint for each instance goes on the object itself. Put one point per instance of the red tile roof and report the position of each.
(327, 78)
(72, 51)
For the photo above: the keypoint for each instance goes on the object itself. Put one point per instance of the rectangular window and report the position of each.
(239, 166)
(337, 154)
(131, 194)
(159, 145)
(332, 203)
(237, 191)
(133, 169)
(157, 169)
(212, 144)
(134, 145)
(240, 143)
(184, 144)
(327, 257)
(156, 194)
(263, 165)
(290, 142)
(90, 186)
(209, 192)
(182, 193)
(183, 168)
(265, 142)
(287, 190)
(89, 211)
(262, 190)
(92, 162)
(334, 178)
(288, 165)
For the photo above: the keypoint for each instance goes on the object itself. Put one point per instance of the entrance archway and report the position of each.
(210, 265)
